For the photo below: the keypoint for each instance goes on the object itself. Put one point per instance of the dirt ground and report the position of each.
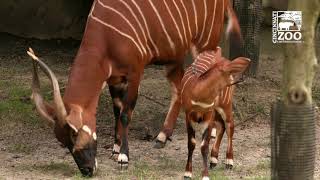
(28, 149)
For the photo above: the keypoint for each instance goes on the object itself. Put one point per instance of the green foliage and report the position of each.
(20, 148)
(15, 105)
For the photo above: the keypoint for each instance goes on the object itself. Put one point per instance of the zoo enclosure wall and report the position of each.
(59, 19)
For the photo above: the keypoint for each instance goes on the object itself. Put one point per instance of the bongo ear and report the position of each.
(237, 66)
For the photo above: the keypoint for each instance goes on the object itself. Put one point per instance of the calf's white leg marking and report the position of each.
(229, 162)
(205, 178)
(188, 174)
(162, 137)
(214, 160)
(122, 158)
(214, 132)
(174, 98)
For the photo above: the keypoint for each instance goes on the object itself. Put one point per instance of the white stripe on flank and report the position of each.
(185, 74)
(210, 55)
(213, 18)
(203, 69)
(226, 94)
(188, 71)
(140, 25)
(118, 31)
(182, 21)
(229, 95)
(174, 21)
(205, 60)
(172, 45)
(110, 71)
(202, 64)
(208, 58)
(195, 16)
(128, 22)
(146, 25)
(187, 15)
(92, 8)
(204, 21)
(185, 84)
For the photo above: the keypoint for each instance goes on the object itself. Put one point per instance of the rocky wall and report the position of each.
(44, 19)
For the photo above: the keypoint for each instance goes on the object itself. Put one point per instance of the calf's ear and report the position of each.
(237, 66)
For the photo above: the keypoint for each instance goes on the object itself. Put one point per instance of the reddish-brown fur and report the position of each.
(207, 100)
(116, 51)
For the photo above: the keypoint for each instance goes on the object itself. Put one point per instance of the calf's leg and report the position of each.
(206, 135)
(174, 76)
(220, 126)
(191, 147)
(229, 153)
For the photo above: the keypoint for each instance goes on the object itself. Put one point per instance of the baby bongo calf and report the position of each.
(207, 93)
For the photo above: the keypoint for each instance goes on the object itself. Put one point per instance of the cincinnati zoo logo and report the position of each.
(286, 26)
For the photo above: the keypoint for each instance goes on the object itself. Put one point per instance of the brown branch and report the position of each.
(237, 111)
(247, 119)
(151, 99)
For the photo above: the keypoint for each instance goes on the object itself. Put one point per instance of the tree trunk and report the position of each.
(250, 17)
(293, 116)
